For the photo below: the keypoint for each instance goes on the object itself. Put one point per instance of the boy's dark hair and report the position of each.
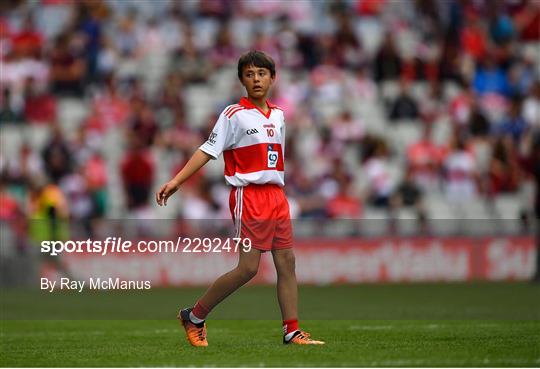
(258, 59)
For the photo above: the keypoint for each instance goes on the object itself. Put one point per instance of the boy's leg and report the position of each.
(248, 265)
(193, 319)
(287, 289)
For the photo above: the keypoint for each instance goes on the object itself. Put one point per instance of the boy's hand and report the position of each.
(165, 192)
(196, 162)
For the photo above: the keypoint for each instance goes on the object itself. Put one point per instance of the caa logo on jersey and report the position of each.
(212, 138)
(272, 157)
(251, 131)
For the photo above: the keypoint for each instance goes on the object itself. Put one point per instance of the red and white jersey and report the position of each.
(252, 143)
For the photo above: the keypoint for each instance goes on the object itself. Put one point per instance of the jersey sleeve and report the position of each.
(221, 138)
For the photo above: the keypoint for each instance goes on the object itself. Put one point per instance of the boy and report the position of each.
(251, 136)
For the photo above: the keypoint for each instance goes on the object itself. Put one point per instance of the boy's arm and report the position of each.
(197, 161)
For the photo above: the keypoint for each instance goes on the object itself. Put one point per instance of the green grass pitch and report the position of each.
(479, 324)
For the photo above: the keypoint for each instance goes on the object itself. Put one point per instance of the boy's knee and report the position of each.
(290, 260)
(287, 262)
(248, 271)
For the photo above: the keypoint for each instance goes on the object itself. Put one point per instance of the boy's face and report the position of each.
(257, 81)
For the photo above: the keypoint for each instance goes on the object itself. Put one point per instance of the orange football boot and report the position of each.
(195, 333)
(302, 338)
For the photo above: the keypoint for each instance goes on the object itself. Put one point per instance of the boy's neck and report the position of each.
(260, 103)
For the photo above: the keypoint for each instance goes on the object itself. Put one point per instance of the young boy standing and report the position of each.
(251, 136)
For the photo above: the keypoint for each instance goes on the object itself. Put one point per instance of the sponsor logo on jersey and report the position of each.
(252, 131)
(272, 157)
(269, 125)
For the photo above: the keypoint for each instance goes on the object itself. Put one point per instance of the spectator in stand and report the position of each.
(172, 95)
(308, 197)
(88, 23)
(224, 52)
(376, 167)
(287, 43)
(29, 41)
(144, 126)
(461, 177)
(108, 58)
(387, 63)
(85, 143)
(12, 216)
(75, 189)
(478, 125)
(8, 111)
(137, 170)
(150, 42)
(523, 72)
(110, 107)
(434, 105)
(191, 63)
(490, 78)
(424, 161)
(473, 36)
(16, 70)
(362, 86)
(404, 106)
(10, 209)
(346, 130)
(48, 210)
(57, 156)
(20, 171)
(336, 175)
(180, 136)
(462, 105)
(68, 68)
(501, 25)
(344, 204)
(95, 173)
(531, 107)
(514, 125)
(346, 45)
(504, 171)
(409, 195)
(39, 105)
(124, 34)
(527, 21)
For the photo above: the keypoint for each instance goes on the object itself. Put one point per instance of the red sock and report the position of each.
(200, 311)
(290, 325)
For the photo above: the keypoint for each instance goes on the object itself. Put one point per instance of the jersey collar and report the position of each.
(244, 101)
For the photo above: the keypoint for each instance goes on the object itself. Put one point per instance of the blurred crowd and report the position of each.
(131, 62)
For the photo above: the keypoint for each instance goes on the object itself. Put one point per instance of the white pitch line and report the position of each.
(418, 362)
(42, 334)
(431, 326)
(370, 327)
